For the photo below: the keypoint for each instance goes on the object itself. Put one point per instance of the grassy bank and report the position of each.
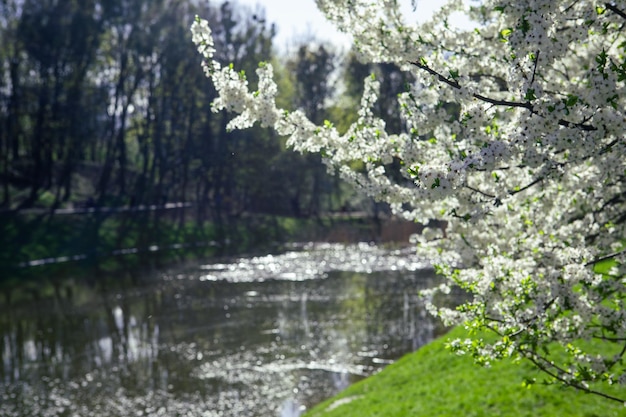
(433, 382)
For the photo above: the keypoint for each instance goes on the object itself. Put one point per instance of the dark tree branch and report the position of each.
(615, 10)
(611, 339)
(497, 201)
(476, 190)
(621, 354)
(527, 186)
(604, 258)
(493, 329)
(549, 367)
(456, 85)
(535, 359)
(510, 192)
(525, 105)
(609, 146)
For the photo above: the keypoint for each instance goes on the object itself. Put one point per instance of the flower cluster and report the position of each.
(516, 137)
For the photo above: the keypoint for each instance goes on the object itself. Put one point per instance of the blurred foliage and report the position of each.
(103, 104)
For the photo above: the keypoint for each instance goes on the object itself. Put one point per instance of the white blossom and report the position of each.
(529, 176)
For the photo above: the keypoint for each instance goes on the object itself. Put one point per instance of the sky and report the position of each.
(297, 19)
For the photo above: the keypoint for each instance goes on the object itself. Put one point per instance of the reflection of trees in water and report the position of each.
(355, 312)
(383, 309)
(59, 339)
(396, 315)
(179, 339)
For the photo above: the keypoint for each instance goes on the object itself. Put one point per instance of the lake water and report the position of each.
(252, 336)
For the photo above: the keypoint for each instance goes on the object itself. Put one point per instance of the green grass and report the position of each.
(434, 382)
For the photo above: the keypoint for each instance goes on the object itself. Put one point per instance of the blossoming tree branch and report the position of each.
(515, 135)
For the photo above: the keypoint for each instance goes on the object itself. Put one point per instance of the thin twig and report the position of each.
(532, 80)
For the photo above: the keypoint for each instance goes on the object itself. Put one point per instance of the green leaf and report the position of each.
(524, 26)
(530, 95)
(601, 60)
(571, 100)
(504, 34)
(413, 171)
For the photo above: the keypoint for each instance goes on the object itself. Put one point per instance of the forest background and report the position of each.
(109, 145)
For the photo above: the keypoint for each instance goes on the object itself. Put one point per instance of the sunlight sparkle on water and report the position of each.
(314, 261)
(260, 336)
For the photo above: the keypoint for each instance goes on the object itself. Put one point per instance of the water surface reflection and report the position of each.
(257, 336)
